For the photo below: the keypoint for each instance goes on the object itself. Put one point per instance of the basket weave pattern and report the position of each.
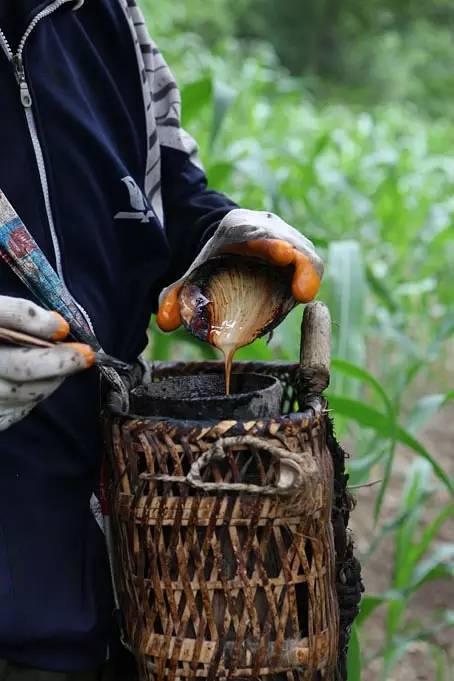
(229, 573)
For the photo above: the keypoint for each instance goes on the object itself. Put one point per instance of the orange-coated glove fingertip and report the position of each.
(85, 350)
(306, 280)
(281, 253)
(275, 251)
(62, 327)
(305, 292)
(168, 317)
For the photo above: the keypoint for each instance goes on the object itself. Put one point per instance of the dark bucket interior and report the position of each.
(203, 397)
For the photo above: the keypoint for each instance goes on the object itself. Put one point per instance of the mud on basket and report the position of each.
(225, 562)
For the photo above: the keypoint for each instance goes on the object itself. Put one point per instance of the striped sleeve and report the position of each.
(164, 92)
(175, 181)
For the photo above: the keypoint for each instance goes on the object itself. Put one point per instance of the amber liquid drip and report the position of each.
(228, 359)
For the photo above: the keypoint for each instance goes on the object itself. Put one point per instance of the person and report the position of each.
(96, 164)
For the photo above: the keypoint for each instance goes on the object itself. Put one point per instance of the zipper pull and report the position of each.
(25, 96)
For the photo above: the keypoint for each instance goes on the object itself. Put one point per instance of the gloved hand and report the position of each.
(254, 233)
(30, 375)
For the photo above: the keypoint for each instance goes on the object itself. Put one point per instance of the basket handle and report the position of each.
(295, 469)
(315, 357)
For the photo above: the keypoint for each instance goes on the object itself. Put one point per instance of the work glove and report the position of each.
(252, 233)
(30, 375)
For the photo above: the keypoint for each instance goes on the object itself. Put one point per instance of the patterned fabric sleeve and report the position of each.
(175, 182)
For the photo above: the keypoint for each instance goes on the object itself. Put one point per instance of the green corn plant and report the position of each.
(419, 557)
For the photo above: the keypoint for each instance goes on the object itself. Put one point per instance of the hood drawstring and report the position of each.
(78, 5)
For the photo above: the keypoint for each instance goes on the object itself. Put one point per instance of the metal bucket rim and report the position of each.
(266, 378)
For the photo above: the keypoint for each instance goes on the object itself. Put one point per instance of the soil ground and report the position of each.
(438, 437)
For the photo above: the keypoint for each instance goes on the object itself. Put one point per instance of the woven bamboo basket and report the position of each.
(231, 557)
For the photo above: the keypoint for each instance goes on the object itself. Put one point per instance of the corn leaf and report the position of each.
(372, 418)
(370, 603)
(195, 97)
(354, 656)
(345, 292)
(425, 408)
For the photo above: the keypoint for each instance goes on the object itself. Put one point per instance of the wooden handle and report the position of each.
(315, 358)
(23, 339)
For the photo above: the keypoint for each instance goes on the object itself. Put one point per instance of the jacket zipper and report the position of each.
(17, 63)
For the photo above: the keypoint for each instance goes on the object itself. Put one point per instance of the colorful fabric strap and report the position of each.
(21, 252)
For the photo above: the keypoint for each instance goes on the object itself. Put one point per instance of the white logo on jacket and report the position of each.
(140, 207)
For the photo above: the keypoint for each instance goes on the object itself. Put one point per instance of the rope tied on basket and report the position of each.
(296, 468)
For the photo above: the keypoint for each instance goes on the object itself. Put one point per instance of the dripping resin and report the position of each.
(230, 300)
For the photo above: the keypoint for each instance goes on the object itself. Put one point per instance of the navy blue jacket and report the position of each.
(120, 206)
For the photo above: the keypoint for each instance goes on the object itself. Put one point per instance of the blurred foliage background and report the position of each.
(338, 115)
